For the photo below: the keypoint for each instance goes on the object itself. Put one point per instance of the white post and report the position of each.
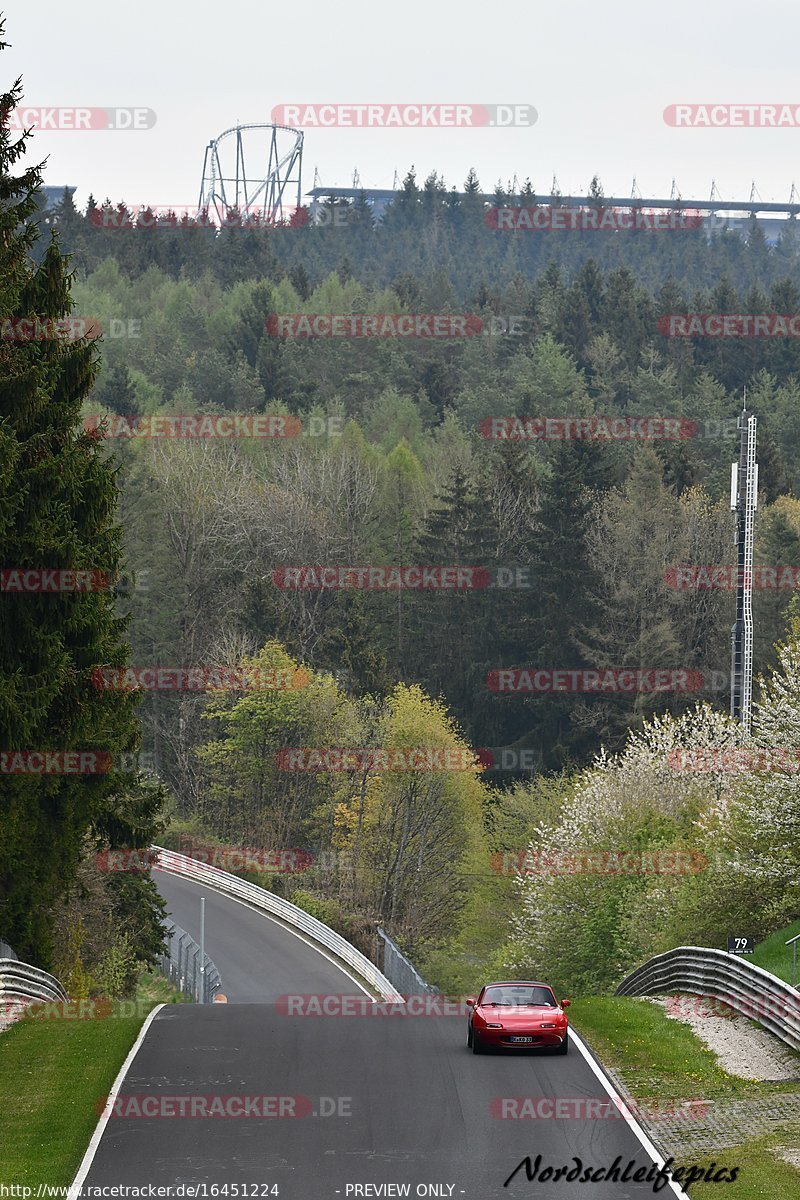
(202, 949)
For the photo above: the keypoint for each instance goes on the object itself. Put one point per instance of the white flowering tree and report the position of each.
(600, 891)
(765, 817)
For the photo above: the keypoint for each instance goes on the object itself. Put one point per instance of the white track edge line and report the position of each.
(630, 1120)
(91, 1150)
(283, 925)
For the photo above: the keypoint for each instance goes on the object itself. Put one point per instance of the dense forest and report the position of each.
(395, 462)
(582, 546)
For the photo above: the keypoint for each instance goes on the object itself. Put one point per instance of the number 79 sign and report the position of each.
(741, 945)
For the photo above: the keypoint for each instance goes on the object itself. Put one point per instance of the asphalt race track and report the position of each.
(366, 1100)
(258, 959)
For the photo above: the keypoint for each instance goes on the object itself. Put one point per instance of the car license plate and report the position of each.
(521, 1039)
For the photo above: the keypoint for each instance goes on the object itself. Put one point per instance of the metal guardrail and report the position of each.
(401, 971)
(744, 987)
(276, 906)
(181, 965)
(21, 985)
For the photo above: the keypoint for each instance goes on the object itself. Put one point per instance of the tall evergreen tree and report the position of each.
(564, 606)
(57, 502)
(452, 634)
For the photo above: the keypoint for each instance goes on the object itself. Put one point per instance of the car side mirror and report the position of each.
(565, 1003)
(470, 1001)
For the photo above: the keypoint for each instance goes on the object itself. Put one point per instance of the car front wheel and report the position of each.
(564, 1047)
(477, 1045)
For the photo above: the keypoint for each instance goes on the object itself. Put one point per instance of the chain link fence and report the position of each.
(181, 965)
(399, 971)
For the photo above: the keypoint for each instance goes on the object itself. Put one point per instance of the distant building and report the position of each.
(773, 218)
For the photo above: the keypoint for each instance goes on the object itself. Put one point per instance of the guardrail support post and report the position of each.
(202, 949)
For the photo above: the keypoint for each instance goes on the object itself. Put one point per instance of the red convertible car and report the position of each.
(517, 1016)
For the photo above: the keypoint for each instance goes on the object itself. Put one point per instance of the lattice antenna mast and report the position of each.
(744, 501)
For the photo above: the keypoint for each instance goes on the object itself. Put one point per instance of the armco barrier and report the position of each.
(741, 985)
(276, 906)
(21, 985)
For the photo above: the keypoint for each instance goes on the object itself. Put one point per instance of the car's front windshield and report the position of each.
(519, 996)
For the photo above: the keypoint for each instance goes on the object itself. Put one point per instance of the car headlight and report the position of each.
(549, 1025)
(493, 1025)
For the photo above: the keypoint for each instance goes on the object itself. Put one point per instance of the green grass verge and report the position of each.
(661, 1059)
(762, 1175)
(773, 955)
(661, 1054)
(53, 1073)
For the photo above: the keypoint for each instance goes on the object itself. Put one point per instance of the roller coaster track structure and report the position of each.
(255, 170)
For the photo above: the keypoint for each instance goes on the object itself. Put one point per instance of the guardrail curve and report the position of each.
(21, 985)
(744, 987)
(276, 906)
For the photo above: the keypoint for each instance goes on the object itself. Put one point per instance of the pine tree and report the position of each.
(57, 501)
(71, 226)
(116, 391)
(450, 630)
(563, 607)
(636, 538)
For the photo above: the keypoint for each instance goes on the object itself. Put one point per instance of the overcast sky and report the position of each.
(599, 75)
